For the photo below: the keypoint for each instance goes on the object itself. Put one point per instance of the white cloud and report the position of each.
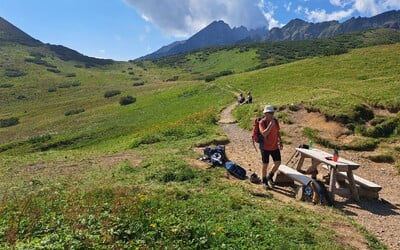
(340, 3)
(268, 10)
(367, 7)
(321, 15)
(182, 18)
(349, 8)
(287, 6)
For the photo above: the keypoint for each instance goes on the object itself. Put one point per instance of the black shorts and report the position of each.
(275, 154)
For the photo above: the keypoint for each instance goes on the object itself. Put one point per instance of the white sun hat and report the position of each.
(269, 109)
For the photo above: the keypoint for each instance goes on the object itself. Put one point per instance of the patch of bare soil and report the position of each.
(380, 217)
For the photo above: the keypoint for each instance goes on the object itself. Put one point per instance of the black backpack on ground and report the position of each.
(235, 170)
(216, 156)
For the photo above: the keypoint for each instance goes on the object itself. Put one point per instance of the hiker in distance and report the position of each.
(249, 98)
(272, 145)
(241, 99)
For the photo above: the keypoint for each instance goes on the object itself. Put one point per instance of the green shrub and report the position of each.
(172, 79)
(111, 93)
(362, 113)
(284, 117)
(65, 85)
(209, 78)
(293, 107)
(39, 139)
(6, 85)
(76, 84)
(362, 144)
(74, 111)
(53, 70)
(9, 122)
(14, 73)
(178, 174)
(377, 120)
(126, 100)
(383, 158)
(135, 84)
(384, 129)
(69, 85)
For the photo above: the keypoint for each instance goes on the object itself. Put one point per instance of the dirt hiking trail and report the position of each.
(380, 216)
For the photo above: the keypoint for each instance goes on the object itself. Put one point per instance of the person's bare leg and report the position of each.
(272, 172)
(264, 173)
(275, 167)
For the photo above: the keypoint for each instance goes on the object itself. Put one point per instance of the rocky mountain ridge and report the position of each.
(219, 33)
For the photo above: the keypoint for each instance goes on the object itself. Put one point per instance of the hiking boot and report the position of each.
(266, 186)
(270, 182)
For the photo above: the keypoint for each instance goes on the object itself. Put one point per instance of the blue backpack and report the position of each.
(235, 170)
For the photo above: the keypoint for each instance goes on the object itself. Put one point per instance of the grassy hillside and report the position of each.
(124, 176)
(213, 62)
(359, 89)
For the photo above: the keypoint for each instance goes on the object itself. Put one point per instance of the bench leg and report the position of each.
(332, 183)
(352, 183)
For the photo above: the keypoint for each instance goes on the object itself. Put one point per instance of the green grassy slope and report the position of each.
(125, 177)
(210, 62)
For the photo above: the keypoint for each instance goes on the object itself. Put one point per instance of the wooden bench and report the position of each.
(366, 188)
(294, 174)
(297, 177)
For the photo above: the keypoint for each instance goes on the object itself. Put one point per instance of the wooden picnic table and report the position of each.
(342, 165)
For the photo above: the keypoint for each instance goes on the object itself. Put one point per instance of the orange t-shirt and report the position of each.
(271, 141)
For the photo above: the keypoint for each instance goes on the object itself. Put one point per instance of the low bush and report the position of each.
(76, 84)
(74, 111)
(70, 84)
(111, 93)
(172, 79)
(39, 139)
(6, 85)
(14, 73)
(382, 158)
(135, 84)
(293, 107)
(361, 144)
(126, 100)
(383, 129)
(177, 174)
(56, 71)
(51, 90)
(9, 122)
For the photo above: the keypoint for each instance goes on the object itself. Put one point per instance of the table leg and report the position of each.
(332, 182)
(300, 163)
(353, 186)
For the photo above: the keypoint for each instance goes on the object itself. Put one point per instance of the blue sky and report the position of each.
(128, 29)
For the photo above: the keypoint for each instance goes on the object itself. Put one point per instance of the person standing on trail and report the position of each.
(272, 145)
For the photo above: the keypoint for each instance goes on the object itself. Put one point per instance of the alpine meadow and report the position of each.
(105, 155)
